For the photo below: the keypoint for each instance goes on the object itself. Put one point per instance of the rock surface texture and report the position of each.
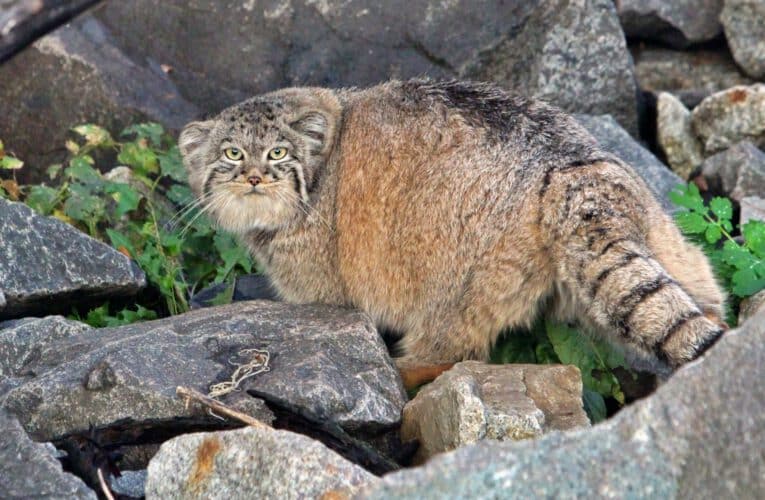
(752, 207)
(731, 116)
(475, 401)
(327, 361)
(615, 139)
(744, 24)
(690, 76)
(675, 133)
(699, 436)
(251, 463)
(151, 59)
(44, 261)
(677, 22)
(31, 470)
(738, 171)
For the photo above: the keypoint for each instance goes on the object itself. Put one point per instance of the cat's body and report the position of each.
(449, 212)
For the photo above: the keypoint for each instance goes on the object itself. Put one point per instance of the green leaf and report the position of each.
(746, 282)
(713, 234)
(127, 316)
(125, 195)
(722, 208)
(10, 163)
(151, 131)
(94, 135)
(688, 196)
(141, 158)
(120, 241)
(754, 236)
(691, 222)
(514, 347)
(594, 405)
(80, 169)
(82, 205)
(54, 170)
(42, 199)
(171, 165)
(224, 297)
(180, 195)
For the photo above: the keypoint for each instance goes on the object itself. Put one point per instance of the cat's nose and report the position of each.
(254, 180)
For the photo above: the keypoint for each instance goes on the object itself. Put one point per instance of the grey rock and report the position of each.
(131, 483)
(111, 67)
(45, 264)
(77, 75)
(252, 462)
(699, 436)
(572, 54)
(22, 340)
(738, 172)
(660, 179)
(683, 151)
(475, 401)
(750, 306)
(731, 116)
(752, 207)
(324, 360)
(678, 22)
(744, 25)
(689, 75)
(31, 470)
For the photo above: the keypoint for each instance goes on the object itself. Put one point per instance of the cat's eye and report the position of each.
(277, 153)
(233, 154)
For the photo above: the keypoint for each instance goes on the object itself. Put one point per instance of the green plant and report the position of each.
(740, 267)
(136, 209)
(549, 341)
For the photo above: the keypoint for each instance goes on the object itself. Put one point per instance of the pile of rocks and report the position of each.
(324, 390)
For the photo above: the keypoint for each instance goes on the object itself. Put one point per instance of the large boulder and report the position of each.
(675, 134)
(738, 172)
(128, 61)
(325, 361)
(32, 470)
(699, 435)
(745, 32)
(47, 265)
(677, 22)
(254, 462)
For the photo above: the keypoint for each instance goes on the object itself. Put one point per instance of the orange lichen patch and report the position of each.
(205, 461)
(335, 495)
(738, 95)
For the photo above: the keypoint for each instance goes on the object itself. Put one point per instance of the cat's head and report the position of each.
(255, 165)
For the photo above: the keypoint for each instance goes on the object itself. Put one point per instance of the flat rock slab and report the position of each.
(738, 171)
(31, 470)
(614, 139)
(744, 28)
(45, 263)
(475, 401)
(699, 435)
(252, 462)
(327, 361)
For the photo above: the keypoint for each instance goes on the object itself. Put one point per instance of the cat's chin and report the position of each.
(244, 214)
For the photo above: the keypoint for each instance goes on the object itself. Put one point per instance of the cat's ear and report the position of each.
(192, 140)
(318, 126)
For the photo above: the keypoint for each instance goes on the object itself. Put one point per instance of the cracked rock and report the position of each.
(731, 116)
(675, 133)
(738, 172)
(47, 265)
(678, 23)
(475, 401)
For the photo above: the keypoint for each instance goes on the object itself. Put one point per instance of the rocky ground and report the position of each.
(674, 88)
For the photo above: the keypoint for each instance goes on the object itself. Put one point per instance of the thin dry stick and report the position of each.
(218, 407)
(104, 488)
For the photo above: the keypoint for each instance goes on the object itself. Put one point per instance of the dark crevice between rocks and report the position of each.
(357, 448)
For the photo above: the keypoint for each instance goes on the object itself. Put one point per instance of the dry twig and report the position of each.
(218, 407)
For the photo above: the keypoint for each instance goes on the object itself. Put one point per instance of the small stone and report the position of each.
(750, 306)
(738, 172)
(744, 25)
(131, 483)
(752, 207)
(252, 462)
(730, 116)
(675, 134)
(678, 22)
(475, 401)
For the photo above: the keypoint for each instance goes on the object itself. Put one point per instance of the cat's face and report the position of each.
(254, 166)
